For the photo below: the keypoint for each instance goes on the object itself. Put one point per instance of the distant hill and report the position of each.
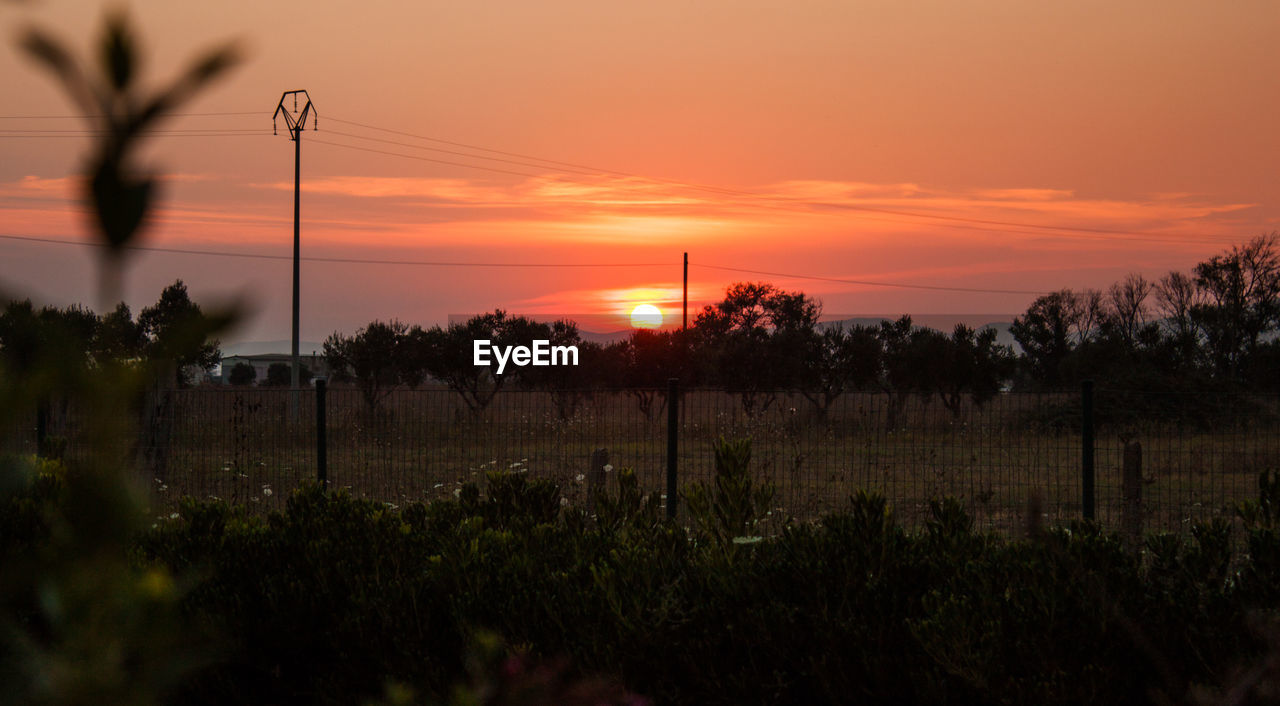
(260, 347)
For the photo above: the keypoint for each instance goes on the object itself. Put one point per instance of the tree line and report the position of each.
(170, 339)
(1212, 327)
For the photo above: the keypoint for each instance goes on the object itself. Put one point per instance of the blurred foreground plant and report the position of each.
(79, 623)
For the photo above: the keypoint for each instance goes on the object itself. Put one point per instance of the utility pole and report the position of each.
(684, 313)
(295, 122)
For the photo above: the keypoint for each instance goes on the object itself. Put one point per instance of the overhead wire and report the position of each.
(342, 260)
(444, 263)
(776, 201)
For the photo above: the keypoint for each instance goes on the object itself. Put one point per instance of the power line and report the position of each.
(151, 134)
(172, 115)
(902, 285)
(342, 260)
(144, 132)
(441, 263)
(770, 200)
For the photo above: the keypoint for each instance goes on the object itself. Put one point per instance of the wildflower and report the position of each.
(580, 478)
(266, 490)
(564, 502)
(608, 468)
(457, 492)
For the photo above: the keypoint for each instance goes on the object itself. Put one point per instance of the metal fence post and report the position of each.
(673, 438)
(1086, 450)
(322, 451)
(1131, 514)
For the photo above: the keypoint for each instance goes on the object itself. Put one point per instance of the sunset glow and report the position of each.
(864, 154)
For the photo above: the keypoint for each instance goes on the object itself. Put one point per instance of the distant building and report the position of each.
(261, 362)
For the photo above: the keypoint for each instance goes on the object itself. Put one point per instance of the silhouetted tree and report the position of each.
(836, 361)
(754, 338)
(279, 375)
(244, 374)
(374, 359)
(177, 333)
(1241, 302)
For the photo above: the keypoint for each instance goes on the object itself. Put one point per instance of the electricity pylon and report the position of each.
(296, 122)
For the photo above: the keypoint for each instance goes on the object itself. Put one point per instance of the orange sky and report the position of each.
(876, 141)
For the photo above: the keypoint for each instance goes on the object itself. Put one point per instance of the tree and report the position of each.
(838, 360)
(752, 340)
(645, 363)
(278, 375)
(1177, 297)
(375, 359)
(120, 339)
(243, 374)
(972, 364)
(1052, 328)
(177, 333)
(1127, 311)
(1241, 302)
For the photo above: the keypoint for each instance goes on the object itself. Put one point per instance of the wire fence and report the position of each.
(1017, 453)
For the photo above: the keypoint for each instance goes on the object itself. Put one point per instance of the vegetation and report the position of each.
(337, 600)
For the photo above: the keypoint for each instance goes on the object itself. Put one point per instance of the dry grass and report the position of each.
(245, 447)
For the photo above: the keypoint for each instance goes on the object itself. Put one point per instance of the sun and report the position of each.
(646, 316)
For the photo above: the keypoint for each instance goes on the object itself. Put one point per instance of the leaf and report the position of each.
(118, 53)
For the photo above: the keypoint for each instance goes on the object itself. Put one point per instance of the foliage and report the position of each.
(376, 358)
(336, 598)
(727, 510)
(242, 374)
(279, 375)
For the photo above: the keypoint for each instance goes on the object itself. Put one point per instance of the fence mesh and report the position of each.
(1200, 454)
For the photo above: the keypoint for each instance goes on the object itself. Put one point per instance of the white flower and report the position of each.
(564, 502)
(580, 478)
(174, 516)
(266, 490)
(608, 468)
(457, 492)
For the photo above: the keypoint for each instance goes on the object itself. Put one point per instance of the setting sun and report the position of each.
(646, 316)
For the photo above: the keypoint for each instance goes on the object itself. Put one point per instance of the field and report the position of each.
(249, 446)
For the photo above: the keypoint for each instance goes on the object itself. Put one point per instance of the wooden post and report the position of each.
(1131, 510)
(596, 478)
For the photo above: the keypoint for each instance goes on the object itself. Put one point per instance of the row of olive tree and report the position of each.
(384, 355)
(758, 342)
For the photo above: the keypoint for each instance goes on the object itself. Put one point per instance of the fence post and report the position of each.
(673, 437)
(1086, 450)
(322, 450)
(1131, 513)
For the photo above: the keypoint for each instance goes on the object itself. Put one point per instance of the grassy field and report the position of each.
(247, 446)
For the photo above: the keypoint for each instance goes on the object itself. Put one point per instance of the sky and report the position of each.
(994, 145)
